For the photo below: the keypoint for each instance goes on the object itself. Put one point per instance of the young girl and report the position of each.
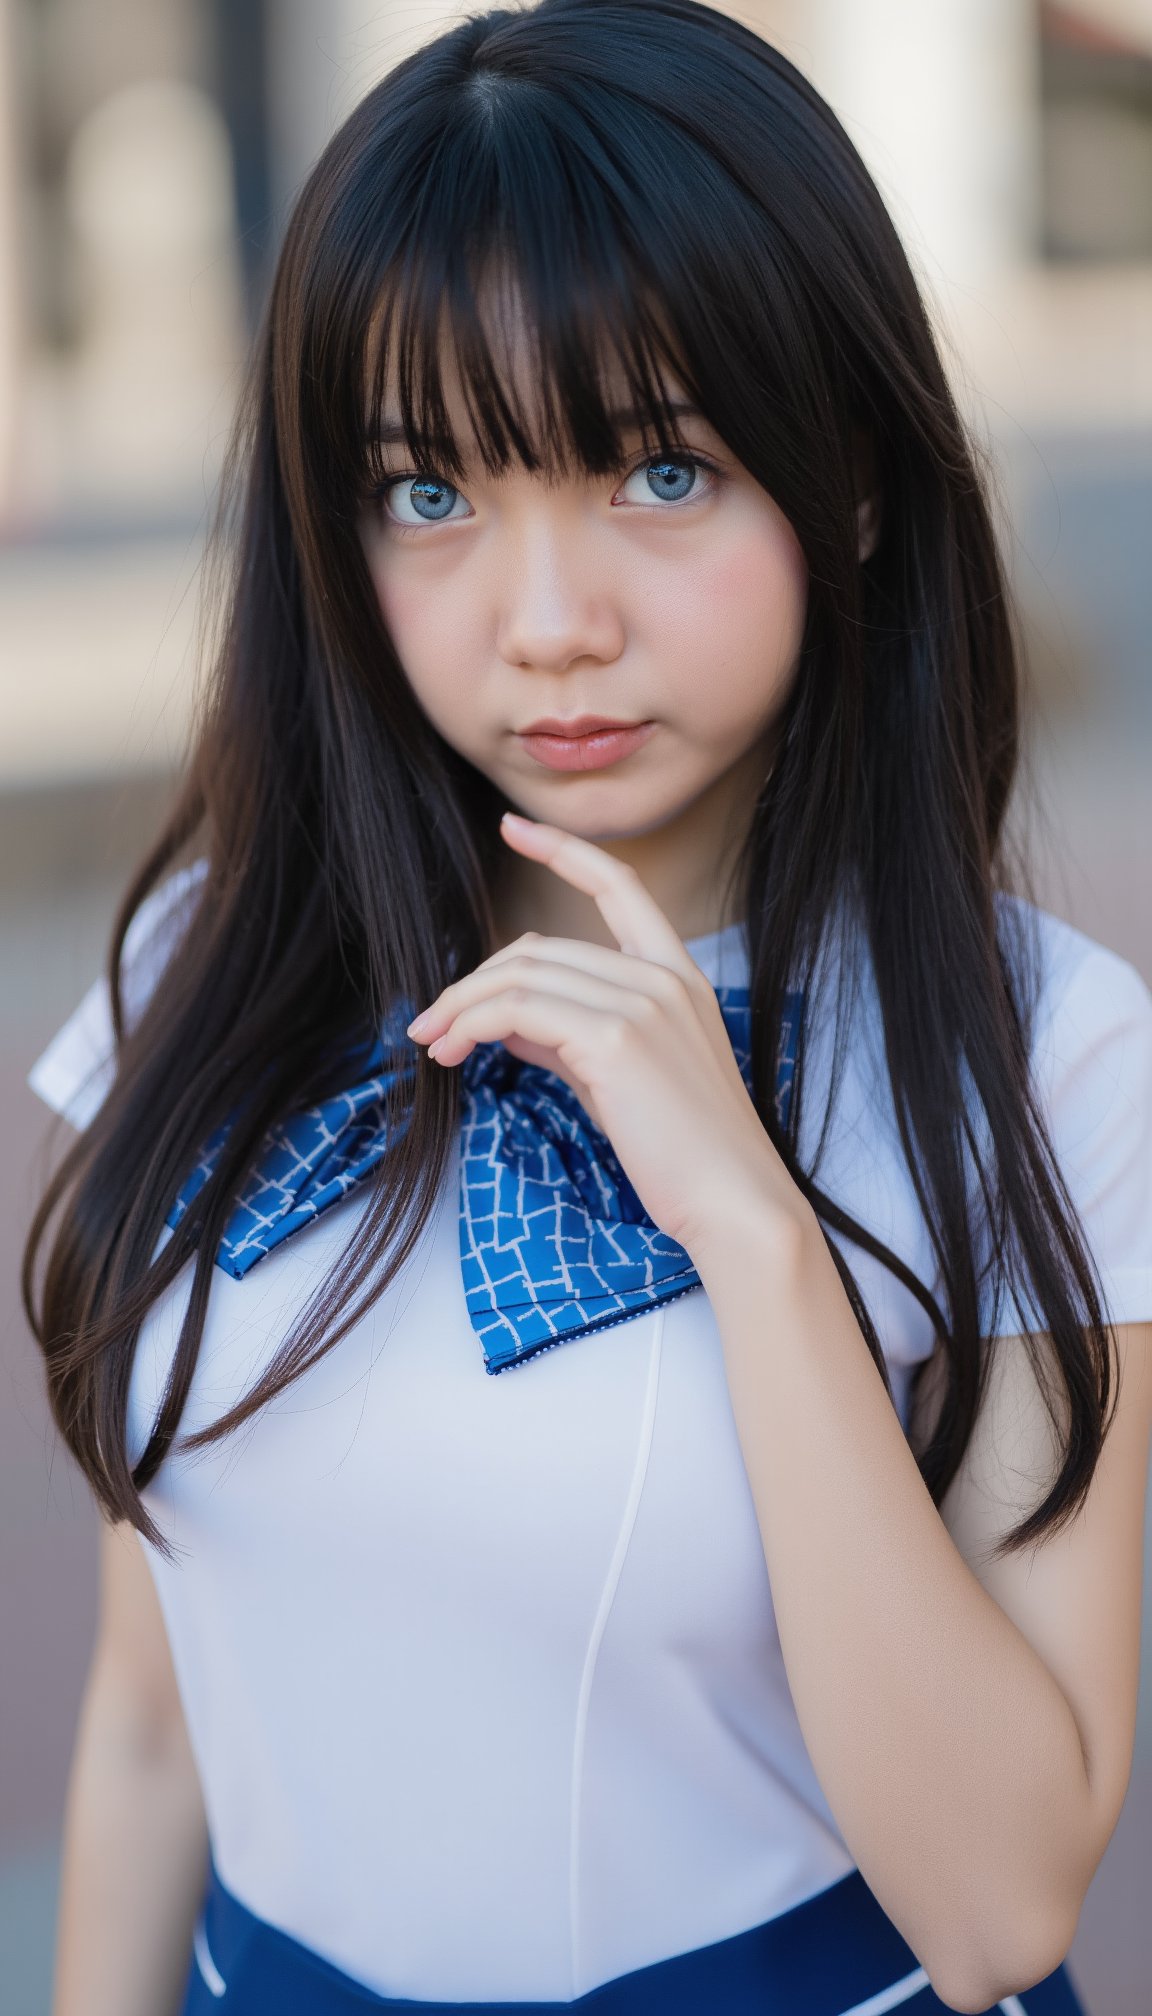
(769, 1641)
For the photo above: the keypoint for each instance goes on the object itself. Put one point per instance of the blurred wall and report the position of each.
(149, 152)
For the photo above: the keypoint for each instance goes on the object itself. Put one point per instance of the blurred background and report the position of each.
(149, 153)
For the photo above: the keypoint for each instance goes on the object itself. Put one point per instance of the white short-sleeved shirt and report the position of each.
(481, 1674)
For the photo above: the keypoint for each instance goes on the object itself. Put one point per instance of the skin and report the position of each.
(971, 1721)
(600, 596)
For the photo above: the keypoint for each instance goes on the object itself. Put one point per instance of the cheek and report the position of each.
(761, 585)
(428, 623)
(743, 607)
(408, 613)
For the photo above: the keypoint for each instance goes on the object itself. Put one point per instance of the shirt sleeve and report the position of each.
(74, 1073)
(1092, 1068)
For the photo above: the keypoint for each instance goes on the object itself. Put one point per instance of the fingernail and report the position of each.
(420, 1022)
(514, 819)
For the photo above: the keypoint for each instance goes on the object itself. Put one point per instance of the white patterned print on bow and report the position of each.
(554, 1242)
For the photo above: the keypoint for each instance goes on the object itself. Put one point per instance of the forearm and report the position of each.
(133, 1869)
(946, 1749)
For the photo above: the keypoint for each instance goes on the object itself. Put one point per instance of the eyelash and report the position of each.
(381, 490)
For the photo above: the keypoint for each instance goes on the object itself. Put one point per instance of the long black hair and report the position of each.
(669, 194)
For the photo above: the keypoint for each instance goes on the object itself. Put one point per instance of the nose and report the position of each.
(556, 603)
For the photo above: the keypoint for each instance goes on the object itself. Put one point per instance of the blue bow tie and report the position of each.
(554, 1242)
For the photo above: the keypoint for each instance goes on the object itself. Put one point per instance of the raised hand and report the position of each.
(636, 1033)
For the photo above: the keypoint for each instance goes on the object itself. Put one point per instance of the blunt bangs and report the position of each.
(547, 289)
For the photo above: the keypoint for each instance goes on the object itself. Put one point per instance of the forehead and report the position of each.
(484, 379)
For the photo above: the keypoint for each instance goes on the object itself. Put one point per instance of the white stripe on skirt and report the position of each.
(911, 1984)
(875, 2005)
(210, 1973)
(889, 1998)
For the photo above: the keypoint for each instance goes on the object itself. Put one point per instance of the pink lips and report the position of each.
(587, 743)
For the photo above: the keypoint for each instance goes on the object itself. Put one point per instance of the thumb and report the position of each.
(548, 1060)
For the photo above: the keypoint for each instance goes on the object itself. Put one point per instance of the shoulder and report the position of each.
(73, 1074)
(1083, 988)
(1091, 1037)
(1088, 1017)
(156, 929)
(1091, 1067)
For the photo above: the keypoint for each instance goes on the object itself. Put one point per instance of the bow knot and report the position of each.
(554, 1241)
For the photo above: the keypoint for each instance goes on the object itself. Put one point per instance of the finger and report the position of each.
(543, 1056)
(646, 976)
(572, 1029)
(612, 964)
(513, 978)
(632, 915)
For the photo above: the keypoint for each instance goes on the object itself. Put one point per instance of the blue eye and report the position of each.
(671, 479)
(430, 499)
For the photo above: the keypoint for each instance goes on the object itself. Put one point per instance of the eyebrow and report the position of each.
(391, 433)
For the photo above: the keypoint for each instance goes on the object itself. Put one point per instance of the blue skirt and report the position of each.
(836, 1954)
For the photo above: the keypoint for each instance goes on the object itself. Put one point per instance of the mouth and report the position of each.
(588, 742)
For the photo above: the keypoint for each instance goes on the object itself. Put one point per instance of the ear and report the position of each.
(868, 493)
(868, 526)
